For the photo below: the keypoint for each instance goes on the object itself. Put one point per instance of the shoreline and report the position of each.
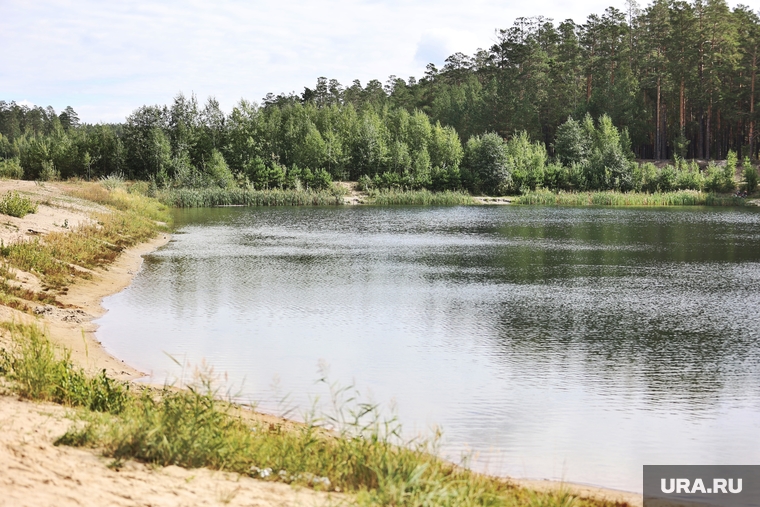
(120, 276)
(88, 295)
(73, 327)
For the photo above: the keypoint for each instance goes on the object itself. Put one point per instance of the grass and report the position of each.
(193, 427)
(611, 198)
(16, 205)
(209, 197)
(63, 256)
(39, 372)
(419, 197)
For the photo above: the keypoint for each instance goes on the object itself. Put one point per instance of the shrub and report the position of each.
(557, 176)
(16, 205)
(720, 180)
(667, 179)
(48, 172)
(572, 144)
(646, 177)
(487, 160)
(527, 162)
(750, 176)
(11, 168)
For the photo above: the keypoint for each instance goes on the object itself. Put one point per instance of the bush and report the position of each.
(16, 205)
(365, 183)
(487, 160)
(557, 176)
(572, 144)
(48, 172)
(720, 180)
(11, 168)
(527, 162)
(688, 176)
(750, 176)
(667, 179)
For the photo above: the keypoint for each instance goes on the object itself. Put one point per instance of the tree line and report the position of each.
(548, 105)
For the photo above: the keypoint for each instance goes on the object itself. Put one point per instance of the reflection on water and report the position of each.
(573, 343)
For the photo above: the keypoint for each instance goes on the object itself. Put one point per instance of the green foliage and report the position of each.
(729, 171)
(419, 198)
(11, 168)
(598, 154)
(48, 172)
(39, 372)
(611, 198)
(720, 179)
(572, 145)
(750, 175)
(527, 162)
(207, 197)
(487, 160)
(689, 176)
(218, 171)
(667, 179)
(16, 205)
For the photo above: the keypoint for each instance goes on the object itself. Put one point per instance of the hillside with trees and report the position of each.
(551, 104)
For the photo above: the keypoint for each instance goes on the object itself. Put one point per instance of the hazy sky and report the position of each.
(107, 58)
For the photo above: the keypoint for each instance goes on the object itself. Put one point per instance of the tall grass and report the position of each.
(208, 197)
(120, 198)
(194, 428)
(611, 198)
(419, 197)
(39, 372)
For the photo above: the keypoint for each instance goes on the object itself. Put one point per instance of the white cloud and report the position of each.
(107, 58)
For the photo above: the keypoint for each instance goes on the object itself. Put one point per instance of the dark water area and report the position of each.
(562, 343)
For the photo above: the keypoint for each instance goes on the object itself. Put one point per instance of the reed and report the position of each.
(419, 198)
(209, 197)
(611, 198)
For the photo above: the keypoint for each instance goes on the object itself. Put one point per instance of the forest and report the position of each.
(558, 105)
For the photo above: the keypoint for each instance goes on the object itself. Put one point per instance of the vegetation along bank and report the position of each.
(563, 106)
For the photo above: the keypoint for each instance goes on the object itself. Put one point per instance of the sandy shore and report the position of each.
(33, 472)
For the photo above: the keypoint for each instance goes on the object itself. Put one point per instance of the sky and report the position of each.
(105, 59)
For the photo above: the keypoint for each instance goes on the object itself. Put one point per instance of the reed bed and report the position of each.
(419, 198)
(361, 454)
(209, 197)
(610, 198)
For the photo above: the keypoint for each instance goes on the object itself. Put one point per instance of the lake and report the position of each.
(562, 343)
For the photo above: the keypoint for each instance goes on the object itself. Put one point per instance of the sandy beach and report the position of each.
(34, 472)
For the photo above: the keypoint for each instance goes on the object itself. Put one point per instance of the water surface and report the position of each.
(564, 343)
